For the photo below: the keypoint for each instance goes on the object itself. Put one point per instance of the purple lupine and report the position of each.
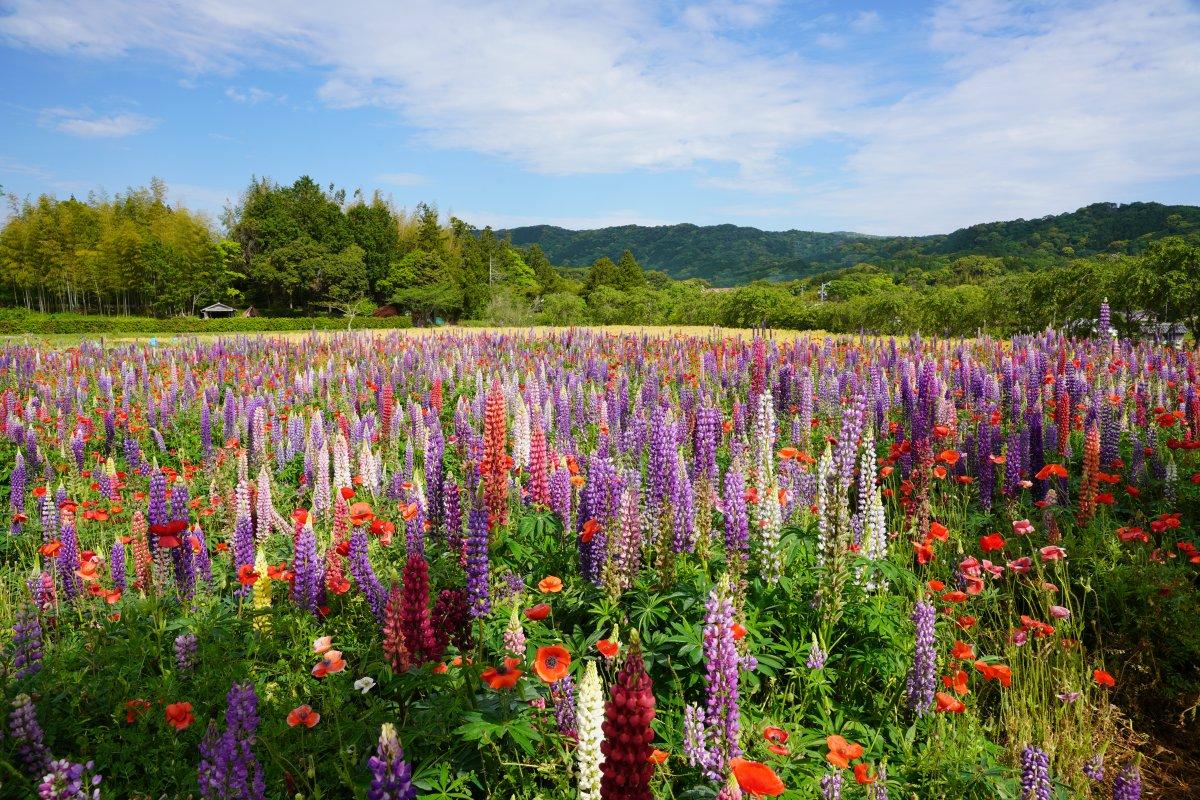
(229, 770)
(1128, 785)
(309, 569)
(16, 492)
(27, 643)
(453, 517)
(816, 657)
(477, 561)
(562, 692)
(67, 780)
(364, 575)
(1094, 768)
(26, 731)
(206, 444)
(737, 523)
(831, 786)
(116, 564)
(185, 651)
(67, 561)
(391, 776)
(922, 676)
(1105, 318)
(1035, 774)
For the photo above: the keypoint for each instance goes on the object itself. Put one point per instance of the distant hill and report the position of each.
(728, 255)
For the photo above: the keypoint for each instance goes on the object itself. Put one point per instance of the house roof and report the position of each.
(218, 307)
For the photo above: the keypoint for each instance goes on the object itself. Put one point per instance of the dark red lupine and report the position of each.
(627, 768)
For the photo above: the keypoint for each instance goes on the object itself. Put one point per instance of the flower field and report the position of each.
(589, 564)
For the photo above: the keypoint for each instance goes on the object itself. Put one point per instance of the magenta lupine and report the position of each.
(415, 621)
(922, 675)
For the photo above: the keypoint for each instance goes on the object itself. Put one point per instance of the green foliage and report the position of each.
(14, 323)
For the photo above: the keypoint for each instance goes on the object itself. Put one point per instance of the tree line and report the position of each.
(304, 249)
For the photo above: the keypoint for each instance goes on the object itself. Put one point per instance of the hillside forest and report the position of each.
(306, 249)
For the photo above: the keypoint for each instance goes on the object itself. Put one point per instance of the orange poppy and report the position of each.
(939, 531)
(538, 612)
(303, 715)
(505, 676)
(1057, 470)
(590, 529)
(552, 663)
(995, 672)
(361, 513)
(962, 651)
(756, 779)
(179, 715)
(948, 456)
(331, 664)
(1104, 678)
(657, 756)
(841, 752)
(862, 774)
(608, 648)
(50, 549)
(550, 584)
(739, 631)
(949, 703)
(957, 682)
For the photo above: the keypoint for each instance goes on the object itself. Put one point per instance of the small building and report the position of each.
(217, 311)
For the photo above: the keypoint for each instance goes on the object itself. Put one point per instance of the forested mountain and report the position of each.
(729, 255)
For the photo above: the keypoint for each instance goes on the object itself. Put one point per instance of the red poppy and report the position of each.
(778, 740)
(608, 648)
(246, 575)
(995, 672)
(1104, 678)
(552, 663)
(949, 703)
(936, 586)
(962, 651)
(924, 552)
(739, 631)
(590, 529)
(134, 709)
(1057, 470)
(50, 549)
(505, 676)
(862, 774)
(303, 715)
(991, 542)
(841, 752)
(756, 779)
(938, 531)
(168, 533)
(550, 584)
(179, 715)
(538, 612)
(954, 597)
(948, 456)
(957, 682)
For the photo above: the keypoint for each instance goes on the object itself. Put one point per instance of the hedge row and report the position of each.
(16, 322)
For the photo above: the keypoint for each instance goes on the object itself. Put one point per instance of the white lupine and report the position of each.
(826, 506)
(341, 462)
(322, 495)
(368, 468)
(770, 523)
(521, 434)
(589, 721)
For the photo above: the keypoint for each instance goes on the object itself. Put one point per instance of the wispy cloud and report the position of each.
(86, 123)
(252, 95)
(1020, 107)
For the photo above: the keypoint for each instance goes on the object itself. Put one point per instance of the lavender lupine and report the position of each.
(229, 769)
(67, 780)
(364, 575)
(1035, 774)
(16, 493)
(27, 643)
(562, 693)
(309, 570)
(922, 675)
(722, 717)
(737, 524)
(185, 651)
(391, 776)
(831, 786)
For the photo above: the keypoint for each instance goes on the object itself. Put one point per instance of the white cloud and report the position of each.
(607, 219)
(401, 179)
(251, 96)
(1043, 112)
(86, 123)
(866, 22)
(1025, 107)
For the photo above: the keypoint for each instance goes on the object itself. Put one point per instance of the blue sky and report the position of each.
(880, 117)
